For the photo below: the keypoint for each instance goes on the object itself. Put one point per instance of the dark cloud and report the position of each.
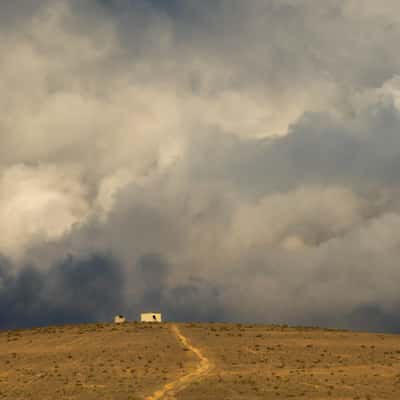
(75, 290)
(371, 317)
(215, 160)
(319, 149)
(91, 289)
(194, 300)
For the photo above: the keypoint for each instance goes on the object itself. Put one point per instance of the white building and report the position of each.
(119, 319)
(150, 317)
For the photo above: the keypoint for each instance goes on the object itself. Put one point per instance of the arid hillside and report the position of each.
(197, 361)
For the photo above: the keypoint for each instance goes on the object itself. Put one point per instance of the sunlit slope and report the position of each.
(103, 361)
(197, 361)
(260, 362)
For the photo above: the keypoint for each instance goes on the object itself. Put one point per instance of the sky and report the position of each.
(216, 160)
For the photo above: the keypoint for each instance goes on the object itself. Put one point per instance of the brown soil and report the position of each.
(197, 361)
(266, 362)
(172, 389)
(103, 361)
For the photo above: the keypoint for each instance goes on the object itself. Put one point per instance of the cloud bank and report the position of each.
(217, 160)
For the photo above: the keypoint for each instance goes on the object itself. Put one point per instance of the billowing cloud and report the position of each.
(217, 160)
(38, 204)
(74, 290)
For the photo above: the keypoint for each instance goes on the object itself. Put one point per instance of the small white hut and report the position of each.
(150, 317)
(119, 319)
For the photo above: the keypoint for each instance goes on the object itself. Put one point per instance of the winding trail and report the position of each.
(169, 390)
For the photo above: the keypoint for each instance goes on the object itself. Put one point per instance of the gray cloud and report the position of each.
(232, 160)
(89, 289)
(74, 290)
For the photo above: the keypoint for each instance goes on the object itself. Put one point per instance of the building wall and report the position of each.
(150, 317)
(119, 319)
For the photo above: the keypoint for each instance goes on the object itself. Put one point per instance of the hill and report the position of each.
(197, 361)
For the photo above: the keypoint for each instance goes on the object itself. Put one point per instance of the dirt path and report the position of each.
(169, 390)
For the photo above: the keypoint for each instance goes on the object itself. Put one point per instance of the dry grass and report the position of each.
(89, 361)
(278, 362)
(250, 362)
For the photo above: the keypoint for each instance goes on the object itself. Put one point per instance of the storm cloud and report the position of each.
(216, 160)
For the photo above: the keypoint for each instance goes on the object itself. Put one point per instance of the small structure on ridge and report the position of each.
(119, 319)
(150, 317)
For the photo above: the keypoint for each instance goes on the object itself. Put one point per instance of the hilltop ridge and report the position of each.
(135, 361)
